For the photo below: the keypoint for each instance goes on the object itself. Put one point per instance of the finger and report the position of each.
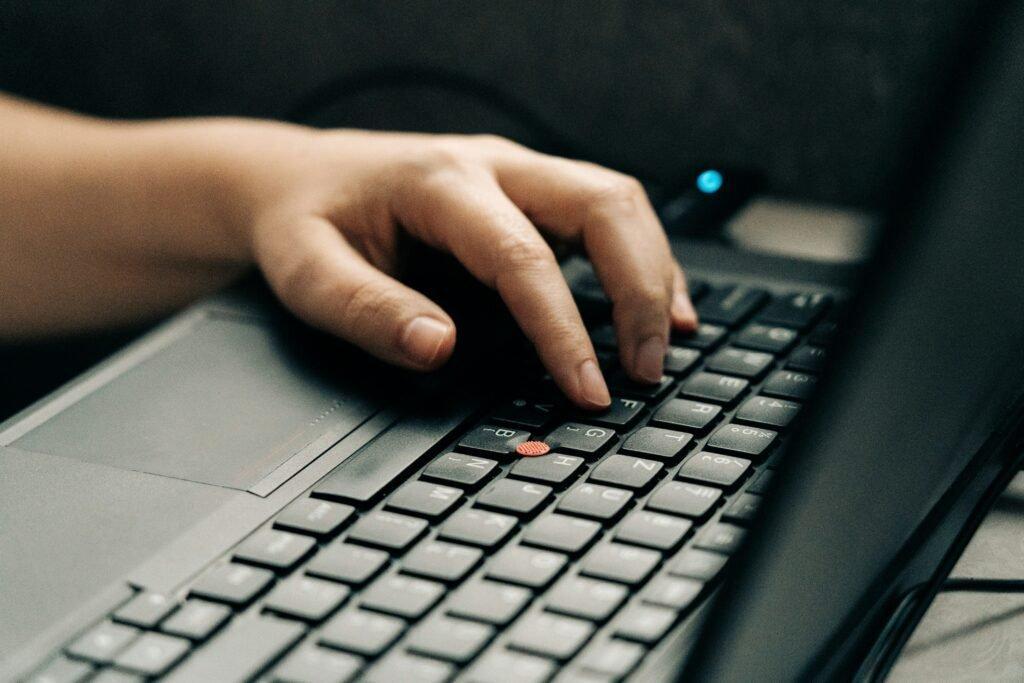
(325, 281)
(621, 235)
(467, 213)
(684, 315)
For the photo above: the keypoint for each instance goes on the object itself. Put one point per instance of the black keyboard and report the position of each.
(426, 560)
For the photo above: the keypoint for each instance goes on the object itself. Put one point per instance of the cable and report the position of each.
(982, 585)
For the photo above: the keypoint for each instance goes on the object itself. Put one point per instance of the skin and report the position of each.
(107, 223)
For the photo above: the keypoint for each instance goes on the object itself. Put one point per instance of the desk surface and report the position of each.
(976, 636)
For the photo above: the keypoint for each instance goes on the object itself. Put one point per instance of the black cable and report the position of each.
(982, 585)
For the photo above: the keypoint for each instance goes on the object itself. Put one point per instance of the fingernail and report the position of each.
(592, 384)
(423, 338)
(650, 359)
(682, 307)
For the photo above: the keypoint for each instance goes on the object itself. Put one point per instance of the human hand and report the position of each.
(321, 213)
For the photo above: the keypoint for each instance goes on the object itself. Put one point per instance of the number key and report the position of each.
(749, 441)
(714, 468)
(769, 412)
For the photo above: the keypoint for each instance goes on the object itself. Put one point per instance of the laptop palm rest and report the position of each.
(217, 411)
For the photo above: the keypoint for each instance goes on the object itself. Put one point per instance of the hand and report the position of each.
(321, 213)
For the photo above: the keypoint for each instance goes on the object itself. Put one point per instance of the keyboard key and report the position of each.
(709, 386)
(489, 602)
(767, 412)
(680, 360)
(524, 566)
(581, 439)
(274, 549)
(62, 670)
(550, 635)
(152, 654)
(595, 501)
(720, 538)
(562, 533)
(653, 530)
(627, 471)
(477, 527)
(697, 564)
(612, 658)
(399, 666)
(761, 483)
(714, 468)
(733, 361)
(620, 415)
(197, 620)
(361, 632)
(520, 498)
(311, 664)
(401, 596)
(742, 510)
(680, 413)
(554, 469)
(749, 441)
(424, 499)
(233, 584)
(145, 610)
(441, 561)
(101, 643)
(684, 498)
(348, 563)
(620, 384)
(494, 667)
(705, 338)
(824, 334)
(493, 441)
(664, 444)
(388, 530)
(530, 414)
(116, 676)
(620, 563)
(807, 358)
(583, 598)
(305, 598)
(789, 384)
(766, 338)
(672, 592)
(318, 518)
(453, 640)
(644, 623)
(729, 306)
(245, 648)
(795, 310)
(363, 477)
(467, 471)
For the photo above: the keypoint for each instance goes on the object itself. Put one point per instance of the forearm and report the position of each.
(104, 222)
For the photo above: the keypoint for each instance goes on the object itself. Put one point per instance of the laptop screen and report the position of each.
(933, 359)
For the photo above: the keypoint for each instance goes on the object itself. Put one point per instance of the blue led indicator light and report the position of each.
(709, 182)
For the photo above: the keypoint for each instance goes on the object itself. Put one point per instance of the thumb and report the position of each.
(326, 282)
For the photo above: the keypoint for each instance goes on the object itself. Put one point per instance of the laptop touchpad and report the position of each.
(227, 403)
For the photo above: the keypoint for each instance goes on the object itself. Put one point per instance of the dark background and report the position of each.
(812, 93)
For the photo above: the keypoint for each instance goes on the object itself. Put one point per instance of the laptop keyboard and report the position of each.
(466, 559)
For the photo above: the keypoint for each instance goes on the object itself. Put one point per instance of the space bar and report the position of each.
(366, 474)
(245, 648)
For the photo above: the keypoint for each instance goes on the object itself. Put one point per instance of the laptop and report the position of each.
(233, 497)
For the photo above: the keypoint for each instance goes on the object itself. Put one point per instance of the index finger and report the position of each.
(611, 215)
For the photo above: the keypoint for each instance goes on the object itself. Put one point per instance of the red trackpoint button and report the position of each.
(532, 449)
